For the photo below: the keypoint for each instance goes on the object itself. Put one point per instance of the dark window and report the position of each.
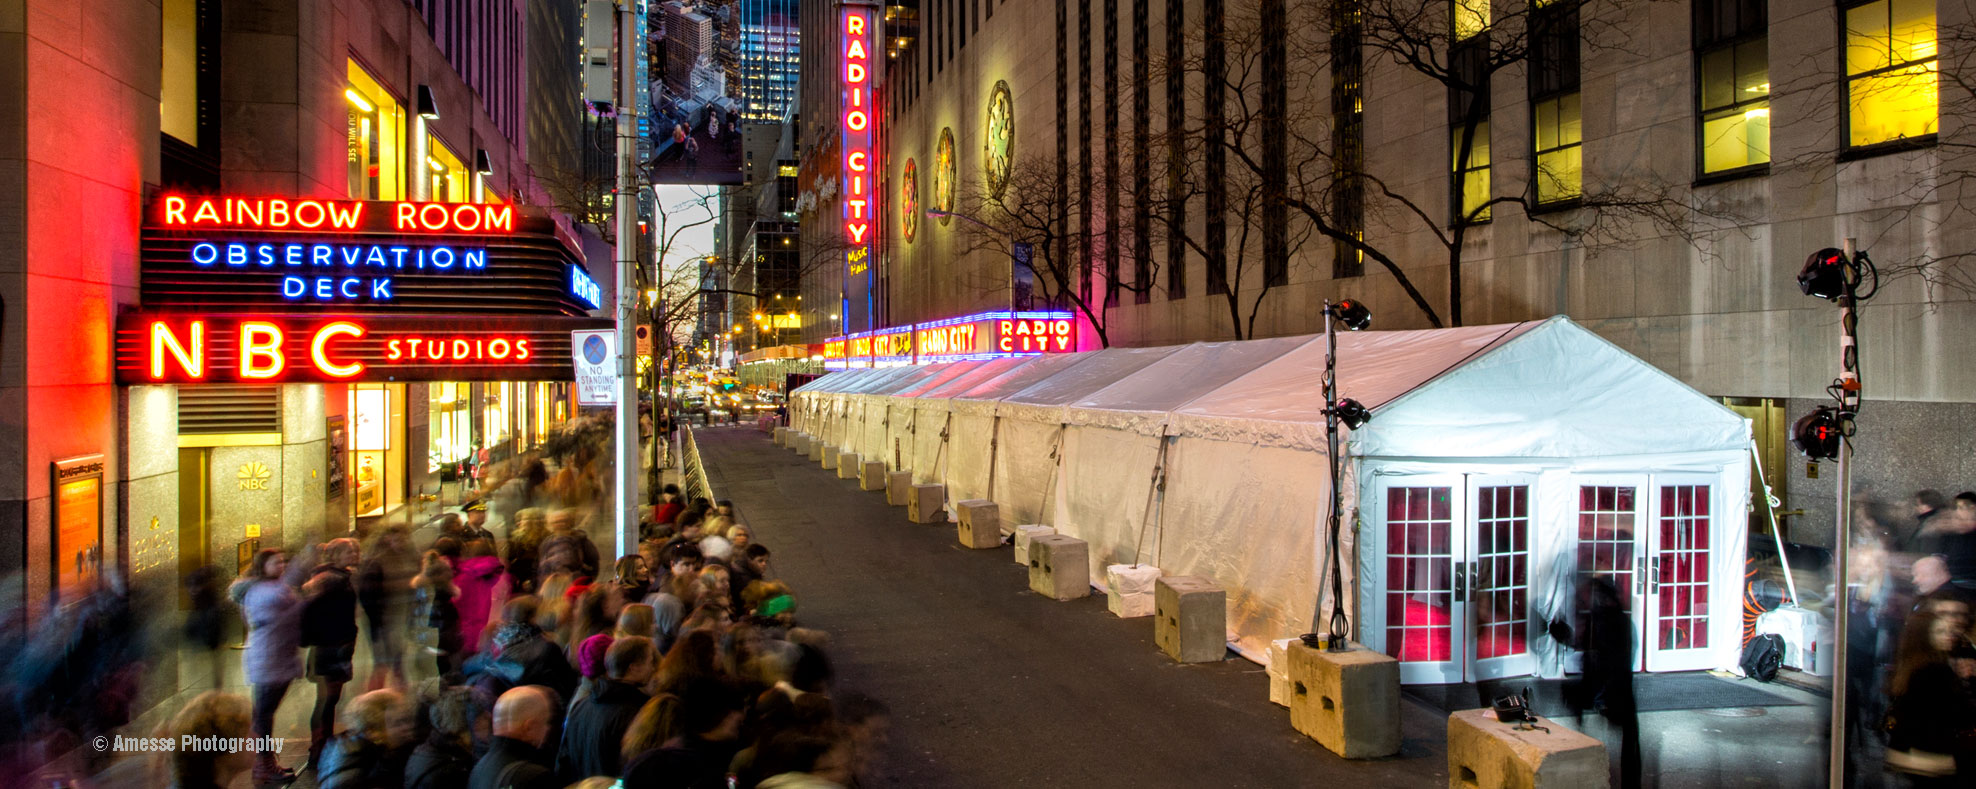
(1142, 186)
(1084, 150)
(1111, 235)
(1347, 135)
(1176, 148)
(1061, 205)
(1468, 127)
(1215, 57)
(1275, 161)
(1558, 173)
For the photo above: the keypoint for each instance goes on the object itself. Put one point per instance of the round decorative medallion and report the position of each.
(998, 152)
(945, 176)
(910, 199)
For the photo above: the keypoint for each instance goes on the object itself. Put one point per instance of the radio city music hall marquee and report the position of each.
(267, 290)
(857, 29)
(987, 335)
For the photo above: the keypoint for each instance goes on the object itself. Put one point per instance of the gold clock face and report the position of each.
(999, 149)
(944, 176)
(910, 198)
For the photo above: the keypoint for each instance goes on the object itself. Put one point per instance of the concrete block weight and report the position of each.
(849, 464)
(781, 436)
(829, 459)
(927, 504)
(1024, 535)
(1349, 702)
(899, 488)
(1129, 589)
(799, 443)
(1485, 752)
(816, 447)
(871, 475)
(981, 524)
(1190, 619)
(1059, 567)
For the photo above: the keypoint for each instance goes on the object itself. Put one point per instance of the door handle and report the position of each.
(1653, 578)
(1461, 582)
(1640, 576)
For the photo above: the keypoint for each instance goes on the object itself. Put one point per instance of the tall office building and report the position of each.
(770, 57)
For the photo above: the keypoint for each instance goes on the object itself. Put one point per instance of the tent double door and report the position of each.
(1460, 555)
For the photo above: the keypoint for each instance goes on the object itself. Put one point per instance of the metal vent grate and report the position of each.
(207, 409)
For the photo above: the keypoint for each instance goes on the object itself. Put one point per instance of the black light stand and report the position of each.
(1355, 317)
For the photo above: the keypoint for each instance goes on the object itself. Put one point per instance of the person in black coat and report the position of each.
(526, 656)
(593, 735)
(446, 757)
(372, 750)
(329, 624)
(698, 759)
(516, 759)
(1605, 636)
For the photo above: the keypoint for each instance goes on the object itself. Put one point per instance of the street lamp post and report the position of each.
(627, 227)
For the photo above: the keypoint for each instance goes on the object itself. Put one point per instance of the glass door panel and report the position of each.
(1422, 597)
(1679, 574)
(1609, 541)
(1499, 577)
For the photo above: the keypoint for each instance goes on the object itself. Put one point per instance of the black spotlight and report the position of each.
(1351, 412)
(1353, 314)
(1824, 274)
(1817, 434)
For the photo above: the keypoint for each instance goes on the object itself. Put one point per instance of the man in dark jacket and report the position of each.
(516, 759)
(371, 751)
(445, 759)
(1605, 637)
(594, 732)
(525, 654)
(329, 624)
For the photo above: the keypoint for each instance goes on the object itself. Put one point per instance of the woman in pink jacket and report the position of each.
(483, 584)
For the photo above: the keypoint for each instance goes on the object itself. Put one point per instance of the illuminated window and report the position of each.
(376, 130)
(448, 177)
(1560, 164)
(1733, 68)
(1470, 17)
(178, 87)
(1472, 175)
(1890, 71)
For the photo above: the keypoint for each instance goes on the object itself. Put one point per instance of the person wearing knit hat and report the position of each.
(590, 663)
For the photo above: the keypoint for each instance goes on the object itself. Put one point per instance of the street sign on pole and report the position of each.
(644, 340)
(595, 356)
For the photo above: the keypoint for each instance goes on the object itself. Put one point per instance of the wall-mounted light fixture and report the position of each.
(428, 106)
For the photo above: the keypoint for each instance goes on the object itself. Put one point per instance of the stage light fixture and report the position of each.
(1352, 314)
(1817, 434)
(1824, 274)
(1351, 412)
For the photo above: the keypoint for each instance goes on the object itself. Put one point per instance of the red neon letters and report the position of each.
(275, 213)
(456, 349)
(860, 205)
(1033, 336)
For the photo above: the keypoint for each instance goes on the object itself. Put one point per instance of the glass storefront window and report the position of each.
(377, 447)
(377, 124)
(450, 414)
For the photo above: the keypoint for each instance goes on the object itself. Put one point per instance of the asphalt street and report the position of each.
(993, 686)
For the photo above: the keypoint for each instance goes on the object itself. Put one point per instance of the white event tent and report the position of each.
(1501, 465)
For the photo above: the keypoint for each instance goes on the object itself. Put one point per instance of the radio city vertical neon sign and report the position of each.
(856, 26)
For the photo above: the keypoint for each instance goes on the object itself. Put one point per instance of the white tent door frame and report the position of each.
(1453, 591)
(1454, 575)
(1667, 536)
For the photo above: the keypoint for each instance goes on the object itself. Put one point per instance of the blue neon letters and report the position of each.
(585, 289)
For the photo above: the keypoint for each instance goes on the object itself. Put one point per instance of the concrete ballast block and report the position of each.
(871, 476)
(1059, 567)
(781, 435)
(1129, 589)
(1024, 535)
(829, 459)
(981, 524)
(1349, 702)
(899, 488)
(849, 464)
(1281, 690)
(1484, 752)
(799, 443)
(1191, 619)
(816, 448)
(928, 504)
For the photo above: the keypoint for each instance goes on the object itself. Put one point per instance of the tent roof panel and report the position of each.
(1095, 371)
(942, 373)
(1018, 378)
(1190, 372)
(980, 374)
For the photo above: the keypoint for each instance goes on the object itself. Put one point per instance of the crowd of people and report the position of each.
(1911, 660)
(504, 652)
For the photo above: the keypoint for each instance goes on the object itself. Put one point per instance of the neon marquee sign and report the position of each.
(986, 335)
(174, 348)
(857, 28)
(275, 213)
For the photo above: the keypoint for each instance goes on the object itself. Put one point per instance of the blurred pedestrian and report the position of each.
(384, 590)
(374, 747)
(273, 657)
(483, 585)
(205, 623)
(1604, 636)
(592, 742)
(516, 759)
(710, 724)
(210, 714)
(436, 595)
(1931, 720)
(445, 759)
(329, 627)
